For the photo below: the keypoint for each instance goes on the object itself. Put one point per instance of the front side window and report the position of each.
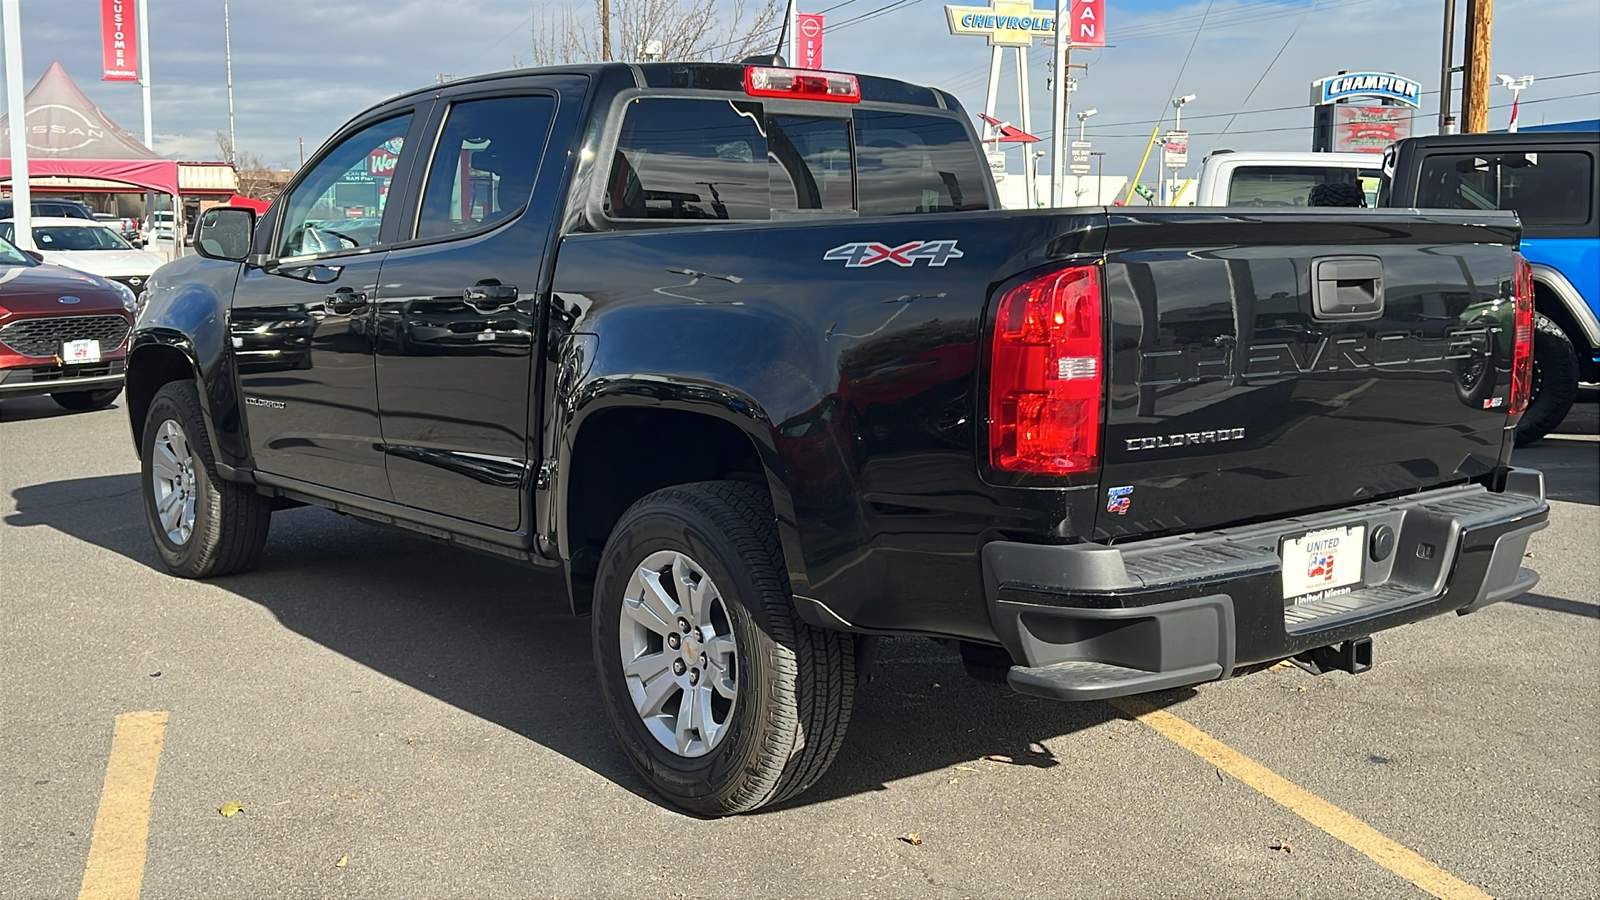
(1544, 188)
(341, 203)
(911, 163)
(690, 159)
(485, 163)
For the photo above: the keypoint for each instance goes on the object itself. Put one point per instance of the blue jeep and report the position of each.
(1549, 178)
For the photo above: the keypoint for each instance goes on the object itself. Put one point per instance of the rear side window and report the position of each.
(909, 163)
(1554, 188)
(1291, 185)
(690, 159)
(682, 158)
(484, 165)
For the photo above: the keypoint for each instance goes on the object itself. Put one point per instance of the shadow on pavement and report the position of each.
(495, 639)
(23, 409)
(1557, 604)
(1569, 457)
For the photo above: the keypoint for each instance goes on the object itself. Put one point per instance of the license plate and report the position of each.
(1323, 563)
(79, 352)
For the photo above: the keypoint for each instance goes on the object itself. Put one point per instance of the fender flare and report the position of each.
(1571, 300)
(219, 402)
(723, 403)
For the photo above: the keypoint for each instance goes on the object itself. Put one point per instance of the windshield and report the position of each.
(10, 255)
(72, 237)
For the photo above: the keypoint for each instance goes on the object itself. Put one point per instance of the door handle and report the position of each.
(490, 295)
(345, 300)
(1347, 288)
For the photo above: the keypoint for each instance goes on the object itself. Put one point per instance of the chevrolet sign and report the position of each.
(1004, 24)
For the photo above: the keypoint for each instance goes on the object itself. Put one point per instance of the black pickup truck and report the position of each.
(752, 357)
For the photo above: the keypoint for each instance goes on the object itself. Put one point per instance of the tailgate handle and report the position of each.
(1347, 287)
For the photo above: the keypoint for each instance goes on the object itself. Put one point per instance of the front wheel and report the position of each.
(83, 401)
(202, 525)
(724, 700)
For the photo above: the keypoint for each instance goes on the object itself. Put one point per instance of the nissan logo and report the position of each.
(67, 300)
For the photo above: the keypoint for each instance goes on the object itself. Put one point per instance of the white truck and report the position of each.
(1275, 178)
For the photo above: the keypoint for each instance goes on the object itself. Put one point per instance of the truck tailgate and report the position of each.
(1272, 364)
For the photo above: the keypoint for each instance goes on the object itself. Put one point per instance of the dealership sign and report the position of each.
(1004, 24)
(810, 49)
(1382, 85)
(1369, 129)
(119, 44)
(1086, 23)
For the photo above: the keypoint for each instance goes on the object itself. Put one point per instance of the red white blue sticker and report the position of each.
(862, 255)
(1119, 500)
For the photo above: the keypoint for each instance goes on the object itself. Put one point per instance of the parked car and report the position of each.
(1550, 179)
(62, 332)
(752, 357)
(125, 226)
(89, 247)
(1283, 178)
(64, 209)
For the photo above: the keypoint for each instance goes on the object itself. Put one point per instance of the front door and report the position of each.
(301, 324)
(456, 319)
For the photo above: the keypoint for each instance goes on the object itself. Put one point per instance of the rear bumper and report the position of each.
(1091, 621)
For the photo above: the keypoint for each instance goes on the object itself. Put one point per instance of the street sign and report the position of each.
(1176, 145)
(997, 164)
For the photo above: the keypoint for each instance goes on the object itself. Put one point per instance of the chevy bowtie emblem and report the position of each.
(67, 300)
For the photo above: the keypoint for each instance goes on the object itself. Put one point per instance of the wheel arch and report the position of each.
(619, 451)
(1561, 303)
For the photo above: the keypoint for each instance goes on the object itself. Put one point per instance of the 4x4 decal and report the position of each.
(863, 254)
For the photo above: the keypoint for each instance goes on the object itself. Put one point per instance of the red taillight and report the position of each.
(1522, 356)
(801, 84)
(1044, 375)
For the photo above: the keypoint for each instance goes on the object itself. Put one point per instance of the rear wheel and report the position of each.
(724, 700)
(85, 400)
(202, 525)
(1555, 381)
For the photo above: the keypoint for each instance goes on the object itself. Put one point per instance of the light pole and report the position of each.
(1516, 86)
(1100, 177)
(1177, 127)
(1083, 115)
(227, 47)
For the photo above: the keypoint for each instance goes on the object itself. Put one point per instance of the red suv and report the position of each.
(62, 332)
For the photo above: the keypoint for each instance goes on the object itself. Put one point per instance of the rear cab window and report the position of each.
(1546, 187)
(1291, 185)
(735, 160)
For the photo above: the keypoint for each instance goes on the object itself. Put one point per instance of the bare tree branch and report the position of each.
(689, 30)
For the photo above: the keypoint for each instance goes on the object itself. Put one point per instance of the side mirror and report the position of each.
(224, 233)
(34, 255)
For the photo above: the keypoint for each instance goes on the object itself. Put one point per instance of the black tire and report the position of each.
(230, 519)
(796, 683)
(1555, 381)
(82, 401)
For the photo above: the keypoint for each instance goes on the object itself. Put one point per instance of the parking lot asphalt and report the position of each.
(394, 718)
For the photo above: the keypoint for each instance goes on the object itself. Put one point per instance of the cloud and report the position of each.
(302, 67)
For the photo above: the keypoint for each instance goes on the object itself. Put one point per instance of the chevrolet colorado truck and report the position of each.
(1548, 177)
(751, 356)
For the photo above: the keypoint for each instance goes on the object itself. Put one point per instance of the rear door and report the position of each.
(1237, 395)
(457, 314)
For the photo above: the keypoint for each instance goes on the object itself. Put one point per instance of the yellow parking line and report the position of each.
(116, 853)
(1359, 835)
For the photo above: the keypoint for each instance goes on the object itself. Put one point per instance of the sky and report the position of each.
(302, 67)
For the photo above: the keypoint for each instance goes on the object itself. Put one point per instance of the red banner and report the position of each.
(810, 43)
(119, 40)
(1369, 129)
(1086, 26)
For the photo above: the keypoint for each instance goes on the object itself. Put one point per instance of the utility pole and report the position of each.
(16, 105)
(1100, 179)
(227, 44)
(1475, 81)
(1447, 69)
(605, 30)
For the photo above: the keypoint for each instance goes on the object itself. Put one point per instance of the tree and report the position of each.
(257, 180)
(707, 30)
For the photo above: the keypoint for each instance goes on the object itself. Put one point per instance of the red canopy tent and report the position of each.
(68, 135)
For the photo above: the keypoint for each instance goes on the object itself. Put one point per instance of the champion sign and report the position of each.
(1384, 85)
